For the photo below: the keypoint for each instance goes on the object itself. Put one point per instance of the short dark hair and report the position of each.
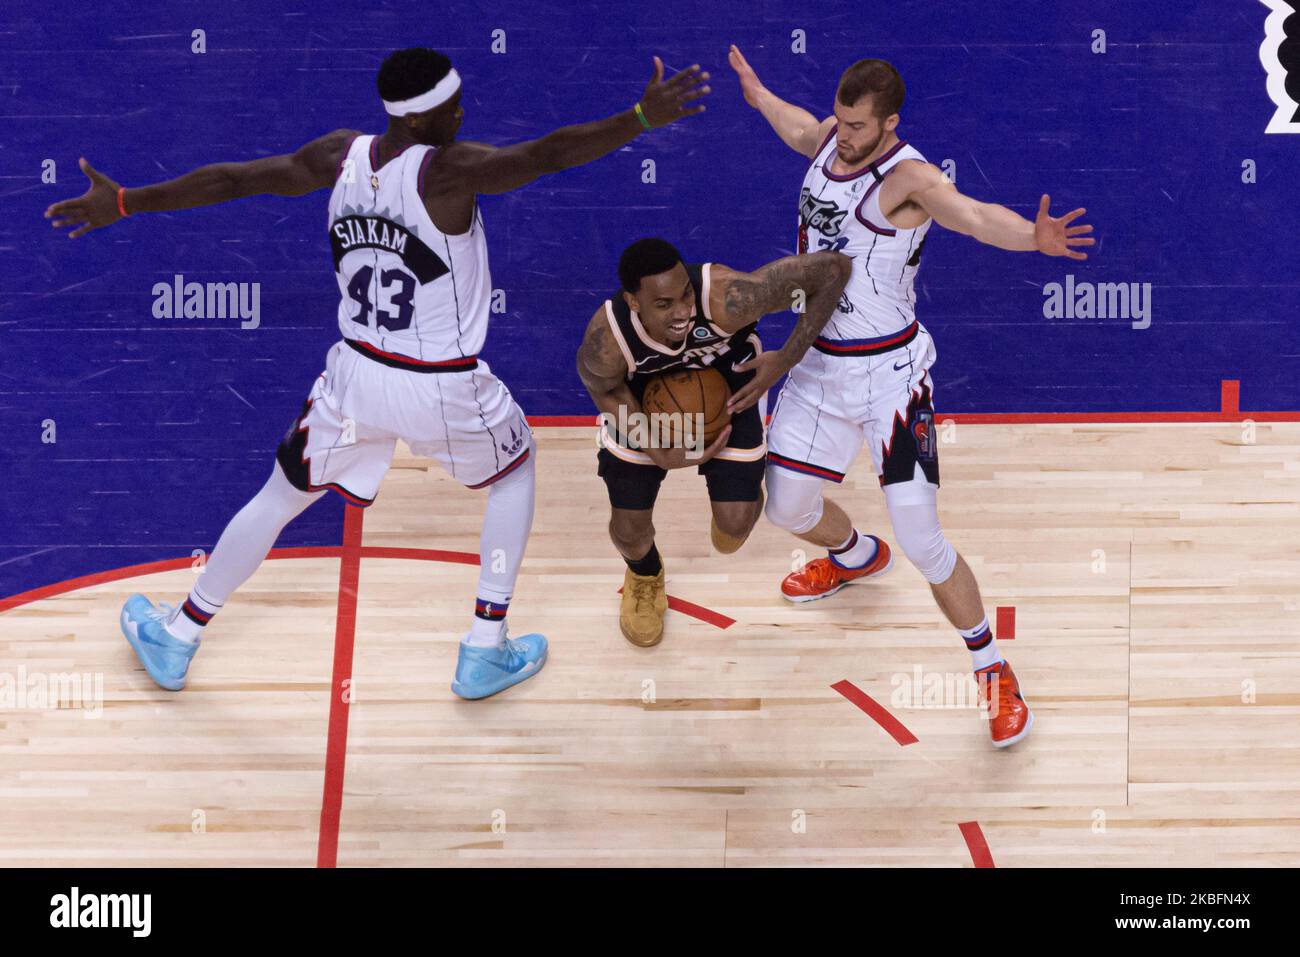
(408, 73)
(646, 257)
(874, 78)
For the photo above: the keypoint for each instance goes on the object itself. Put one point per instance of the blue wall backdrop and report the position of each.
(165, 426)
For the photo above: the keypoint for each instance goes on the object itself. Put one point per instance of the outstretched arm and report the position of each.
(994, 225)
(292, 174)
(470, 168)
(814, 281)
(798, 129)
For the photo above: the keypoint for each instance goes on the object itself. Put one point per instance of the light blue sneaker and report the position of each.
(481, 672)
(164, 657)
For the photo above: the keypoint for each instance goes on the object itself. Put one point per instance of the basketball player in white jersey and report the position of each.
(410, 256)
(872, 196)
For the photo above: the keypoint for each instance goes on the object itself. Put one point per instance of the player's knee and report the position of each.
(283, 494)
(631, 532)
(794, 504)
(732, 525)
(917, 532)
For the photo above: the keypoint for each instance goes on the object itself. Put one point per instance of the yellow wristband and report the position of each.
(641, 116)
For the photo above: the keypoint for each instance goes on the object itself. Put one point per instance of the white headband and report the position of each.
(439, 95)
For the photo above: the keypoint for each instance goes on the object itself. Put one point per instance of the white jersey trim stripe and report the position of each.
(618, 337)
(857, 210)
(707, 283)
(657, 346)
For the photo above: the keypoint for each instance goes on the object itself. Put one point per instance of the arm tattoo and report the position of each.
(820, 277)
(600, 363)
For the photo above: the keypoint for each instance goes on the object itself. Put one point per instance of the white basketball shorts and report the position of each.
(456, 412)
(847, 392)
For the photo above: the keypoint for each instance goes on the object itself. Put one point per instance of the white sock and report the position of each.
(981, 644)
(857, 551)
(240, 550)
(188, 619)
(507, 521)
(485, 634)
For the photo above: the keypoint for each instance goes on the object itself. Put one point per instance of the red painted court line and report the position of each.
(350, 553)
(172, 564)
(706, 615)
(700, 612)
(979, 848)
(1230, 396)
(147, 568)
(336, 742)
(1027, 418)
(1006, 623)
(419, 554)
(1108, 418)
(564, 420)
(875, 711)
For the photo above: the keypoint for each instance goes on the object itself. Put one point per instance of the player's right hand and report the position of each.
(1054, 236)
(94, 208)
(681, 457)
(665, 102)
(750, 85)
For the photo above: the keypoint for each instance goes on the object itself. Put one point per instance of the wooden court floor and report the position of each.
(1154, 573)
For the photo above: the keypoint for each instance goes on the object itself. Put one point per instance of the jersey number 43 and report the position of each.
(396, 285)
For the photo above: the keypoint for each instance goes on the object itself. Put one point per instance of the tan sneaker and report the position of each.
(644, 604)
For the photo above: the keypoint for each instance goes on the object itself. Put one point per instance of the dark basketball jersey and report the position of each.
(706, 345)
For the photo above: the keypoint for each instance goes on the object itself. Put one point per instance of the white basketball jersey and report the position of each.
(407, 287)
(843, 213)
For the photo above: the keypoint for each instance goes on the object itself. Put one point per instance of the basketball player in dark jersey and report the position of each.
(674, 315)
(410, 333)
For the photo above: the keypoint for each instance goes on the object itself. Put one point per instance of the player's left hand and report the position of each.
(1054, 236)
(768, 366)
(94, 208)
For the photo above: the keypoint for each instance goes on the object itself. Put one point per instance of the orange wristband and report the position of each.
(121, 207)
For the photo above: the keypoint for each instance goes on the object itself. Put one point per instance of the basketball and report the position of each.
(690, 392)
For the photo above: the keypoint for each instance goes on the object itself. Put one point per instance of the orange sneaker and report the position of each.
(1009, 716)
(822, 577)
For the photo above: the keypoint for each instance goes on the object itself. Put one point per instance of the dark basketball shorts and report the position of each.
(733, 475)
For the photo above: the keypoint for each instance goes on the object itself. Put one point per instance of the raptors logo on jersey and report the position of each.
(843, 213)
(867, 375)
(407, 287)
